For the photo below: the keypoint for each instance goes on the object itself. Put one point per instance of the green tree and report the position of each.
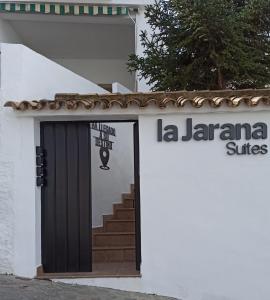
(205, 44)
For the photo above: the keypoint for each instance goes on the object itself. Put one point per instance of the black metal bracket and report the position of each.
(40, 166)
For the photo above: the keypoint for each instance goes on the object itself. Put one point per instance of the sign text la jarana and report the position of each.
(226, 132)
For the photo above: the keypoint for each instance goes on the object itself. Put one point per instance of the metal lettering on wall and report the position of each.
(225, 132)
(103, 142)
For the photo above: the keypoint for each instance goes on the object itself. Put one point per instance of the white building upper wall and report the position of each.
(7, 33)
(26, 74)
(116, 41)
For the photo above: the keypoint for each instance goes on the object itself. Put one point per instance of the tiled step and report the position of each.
(107, 217)
(113, 254)
(128, 196)
(128, 202)
(97, 229)
(124, 214)
(110, 239)
(118, 205)
(119, 226)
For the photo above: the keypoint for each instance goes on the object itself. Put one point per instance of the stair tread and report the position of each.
(128, 195)
(120, 220)
(114, 233)
(113, 247)
(125, 208)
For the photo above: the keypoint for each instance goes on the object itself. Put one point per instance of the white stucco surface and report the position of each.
(7, 33)
(119, 88)
(25, 75)
(99, 49)
(6, 211)
(141, 25)
(213, 242)
(104, 71)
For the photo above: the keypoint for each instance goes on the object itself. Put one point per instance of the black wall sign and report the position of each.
(103, 142)
(226, 132)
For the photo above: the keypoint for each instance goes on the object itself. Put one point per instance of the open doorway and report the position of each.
(113, 198)
(90, 198)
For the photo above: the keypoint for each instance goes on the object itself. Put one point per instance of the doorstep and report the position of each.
(100, 270)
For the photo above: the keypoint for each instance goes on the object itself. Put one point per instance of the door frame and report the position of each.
(136, 161)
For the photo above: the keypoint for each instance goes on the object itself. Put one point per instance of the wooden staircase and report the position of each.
(115, 240)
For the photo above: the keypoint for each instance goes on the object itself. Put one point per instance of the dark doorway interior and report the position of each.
(70, 244)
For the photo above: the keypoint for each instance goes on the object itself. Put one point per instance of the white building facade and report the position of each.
(92, 39)
(202, 169)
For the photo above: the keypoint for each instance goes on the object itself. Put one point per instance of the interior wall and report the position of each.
(109, 185)
(105, 71)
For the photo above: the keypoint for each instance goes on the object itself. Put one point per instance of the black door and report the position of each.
(66, 197)
(137, 195)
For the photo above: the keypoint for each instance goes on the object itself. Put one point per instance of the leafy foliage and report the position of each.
(205, 44)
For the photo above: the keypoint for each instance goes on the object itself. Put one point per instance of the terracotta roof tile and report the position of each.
(161, 100)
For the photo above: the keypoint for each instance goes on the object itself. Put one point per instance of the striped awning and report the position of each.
(64, 9)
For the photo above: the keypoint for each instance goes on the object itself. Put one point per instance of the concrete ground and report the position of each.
(12, 288)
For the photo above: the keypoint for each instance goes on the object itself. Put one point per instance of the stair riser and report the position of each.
(128, 203)
(114, 240)
(119, 226)
(97, 230)
(125, 214)
(107, 217)
(121, 255)
(129, 196)
(118, 205)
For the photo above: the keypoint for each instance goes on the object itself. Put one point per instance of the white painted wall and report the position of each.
(141, 25)
(213, 242)
(102, 60)
(34, 73)
(119, 88)
(108, 186)
(7, 33)
(25, 75)
(216, 239)
(6, 212)
(104, 71)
